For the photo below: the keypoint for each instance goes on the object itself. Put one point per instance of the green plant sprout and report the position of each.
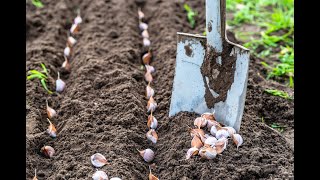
(279, 93)
(278, 127)
(37, 3)
(190, 15)
(42, 76)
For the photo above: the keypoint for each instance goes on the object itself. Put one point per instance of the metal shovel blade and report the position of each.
(211, 72)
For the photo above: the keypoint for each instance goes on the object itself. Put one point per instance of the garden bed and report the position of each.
(103, 108)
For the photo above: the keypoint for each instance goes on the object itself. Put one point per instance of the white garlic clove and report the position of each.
(98, 160)
(147, 154)
(211, 141)
(152, 136)
(145, 34)
(140, 14)
(150, 69)
(196, 132)
(60, 85)
(149, 92)
(143, 26)
(200, 122)
(74, 28)
(152, 122)
(77, 20)
(148, 77)
(221, 145)
(152, 105)
(115, 178)
(208, 116)
(222, 133)
(208, 152)
(196, 142)
(237, 139)
(146, 42)
(192, 152)
(67, 51)
(48, 151)
(100, 175)
(207, 135)
(213, 130)
(50, 112)
(211, 123)
(230, 130)
(66, 65)
(146, 58)
(71, 41)
(51, 129)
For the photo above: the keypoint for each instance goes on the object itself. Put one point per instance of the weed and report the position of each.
(37, 3)
(279, 93)
(190, 15)
(278, 127)
(42, 76)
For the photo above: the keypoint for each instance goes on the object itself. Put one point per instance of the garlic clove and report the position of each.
(196, 132)
(149, 91)
(71, 41)
(48, 151)
(145, 34)
(211, 141)
(35, 175)
(66, 65)
(146, 42)
(67, 51)
(100, 175)
(213, 130)
(74, 28)
(77, 20)
(51, 129)
(98, 160)
(50, 112)
(208, 116)
(230, 130)
(150, 69)
(192, 152)
(151, 176)
(115, 178)
(147, 154)
(221, 145)
(148, 77)
(211, 123)
(140, 14)
(208, 152)
(237, 139)
(143, 26)
(152, 136)
(60, 85)
(222, 133)
(200, 122)
(146, 58)
(152, 105)
(152, 122)
(196, 142)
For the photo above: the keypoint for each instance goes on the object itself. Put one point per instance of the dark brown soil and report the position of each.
(103, 108)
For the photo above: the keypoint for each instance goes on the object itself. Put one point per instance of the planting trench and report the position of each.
(103, 108)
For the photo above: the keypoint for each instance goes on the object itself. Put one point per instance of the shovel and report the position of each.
(211, 72)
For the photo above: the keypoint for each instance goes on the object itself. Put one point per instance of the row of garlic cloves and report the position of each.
(152, 123)
(49, 151)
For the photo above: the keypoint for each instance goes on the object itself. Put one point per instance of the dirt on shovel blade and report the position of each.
(103, 108)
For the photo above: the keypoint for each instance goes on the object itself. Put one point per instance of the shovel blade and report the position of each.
(189, 86)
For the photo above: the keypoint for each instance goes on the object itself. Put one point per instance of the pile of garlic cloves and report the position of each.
(208, 146)
(152, 123)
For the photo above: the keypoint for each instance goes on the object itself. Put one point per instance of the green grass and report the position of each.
(278, 127)
(37, 3)
(41, 75)
(275, 27)
(279, 93)
(190, 15)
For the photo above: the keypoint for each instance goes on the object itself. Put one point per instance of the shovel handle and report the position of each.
(215, 23)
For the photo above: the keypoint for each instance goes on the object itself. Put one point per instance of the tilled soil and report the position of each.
(103, 108)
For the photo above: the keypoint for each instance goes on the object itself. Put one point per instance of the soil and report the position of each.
(103, 108)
